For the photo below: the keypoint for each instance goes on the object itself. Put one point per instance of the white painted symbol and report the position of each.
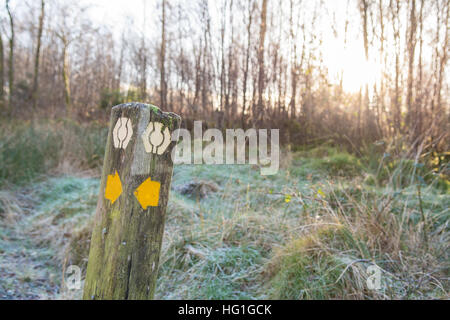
(374, 280)
(123, 130)
(155, 139)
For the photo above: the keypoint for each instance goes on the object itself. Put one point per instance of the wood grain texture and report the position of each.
(126, 239)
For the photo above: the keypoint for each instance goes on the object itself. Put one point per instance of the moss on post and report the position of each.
(129, 222)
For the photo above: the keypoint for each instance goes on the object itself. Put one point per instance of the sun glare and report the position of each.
(349, 63)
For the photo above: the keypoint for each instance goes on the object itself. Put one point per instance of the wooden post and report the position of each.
(129, 220)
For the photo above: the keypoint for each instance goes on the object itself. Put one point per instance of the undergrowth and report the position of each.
(316, 230)
(29, 150)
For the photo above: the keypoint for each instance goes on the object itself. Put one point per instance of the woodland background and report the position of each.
(250, 64)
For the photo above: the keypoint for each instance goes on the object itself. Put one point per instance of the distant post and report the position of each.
(129, 220)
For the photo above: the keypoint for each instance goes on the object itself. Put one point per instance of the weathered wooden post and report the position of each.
(129, 220)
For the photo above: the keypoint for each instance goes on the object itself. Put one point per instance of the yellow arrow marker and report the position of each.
(113, 187)
(148, 193)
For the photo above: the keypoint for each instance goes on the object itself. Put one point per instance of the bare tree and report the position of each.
(2, 74)
(411, 46)
(69, 29)
(250, 8)
(443, 58)
(295, 65)
(261, 75)
(395, 15)
(11, 56)
(37, 55)
(258, 64)
(163, 81)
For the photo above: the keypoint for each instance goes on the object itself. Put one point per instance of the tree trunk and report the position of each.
(163, 83)
(2, 74)
(36, 57)
(419, 89)
(120, 68)
(11, 58)
(411, 46)
(294, 70)
(247, 62)
(395, 26)
(261, 75)
(66, 79)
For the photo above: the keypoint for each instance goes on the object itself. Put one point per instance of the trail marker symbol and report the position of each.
(155, 139)
(122, 133)
(148, 193)
(113, 187)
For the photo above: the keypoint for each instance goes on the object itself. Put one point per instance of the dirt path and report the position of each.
(36, 224)
(27, 271)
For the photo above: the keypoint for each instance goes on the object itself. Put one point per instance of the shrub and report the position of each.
(313, 266)
(111, 97)
(30, 150)
(338, 164)
(26, 152)
(401, 173)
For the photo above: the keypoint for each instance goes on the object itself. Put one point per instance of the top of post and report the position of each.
(148, 107)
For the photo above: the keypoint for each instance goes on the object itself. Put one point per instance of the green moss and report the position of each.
(153, 108)
(115, 213)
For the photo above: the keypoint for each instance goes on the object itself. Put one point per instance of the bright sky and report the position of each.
(114, 12)
(336, 57)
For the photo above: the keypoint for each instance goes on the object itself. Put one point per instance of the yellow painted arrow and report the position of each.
(148, 193)
(113, 187)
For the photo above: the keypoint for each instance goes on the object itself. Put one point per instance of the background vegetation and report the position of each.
(350, 71)
(309, 232)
